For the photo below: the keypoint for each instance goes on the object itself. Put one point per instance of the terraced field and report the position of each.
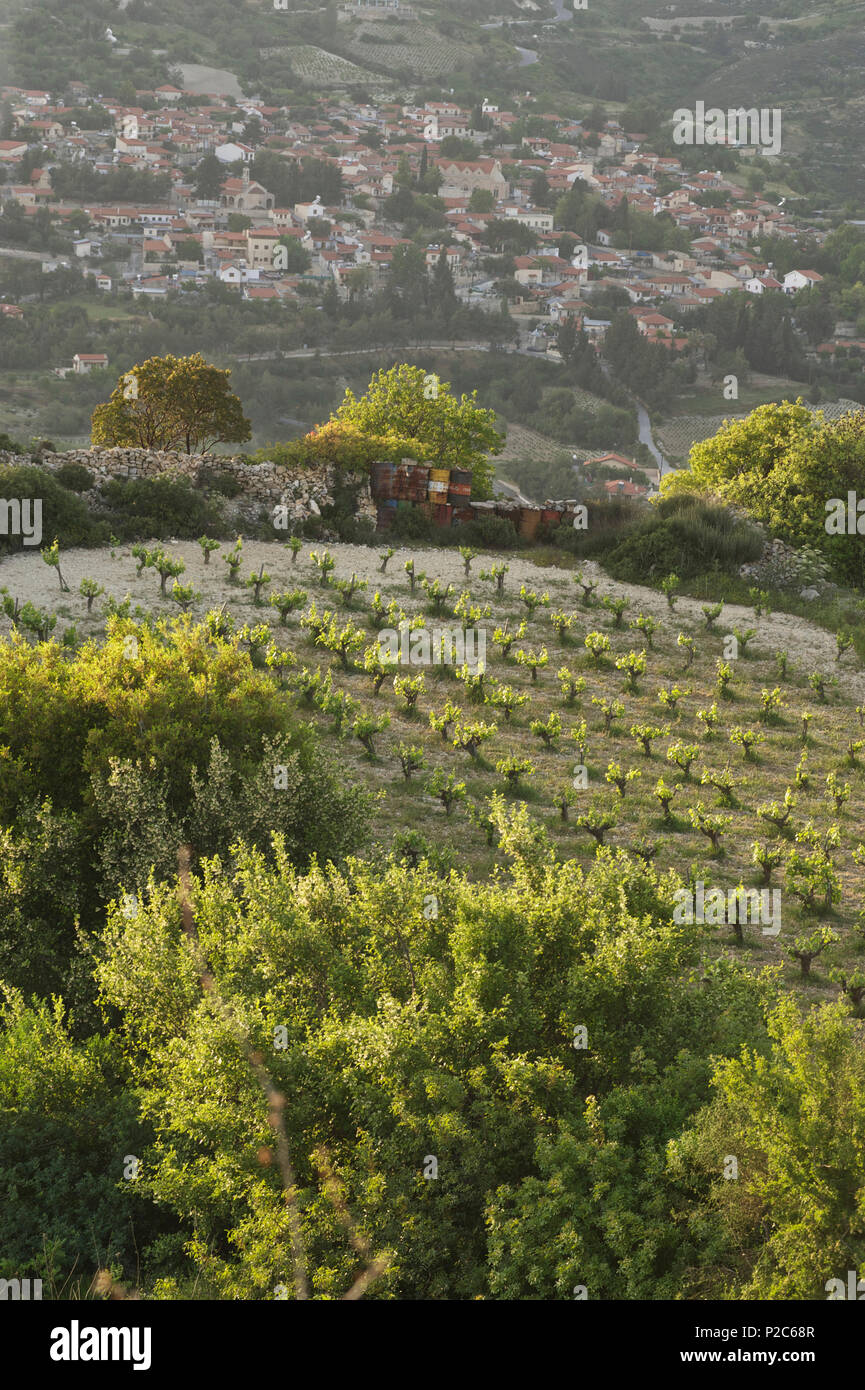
(523, 443)
(420, 50)
(317, 66)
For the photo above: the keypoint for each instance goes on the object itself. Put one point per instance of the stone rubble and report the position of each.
(783, 567)
(302, 492)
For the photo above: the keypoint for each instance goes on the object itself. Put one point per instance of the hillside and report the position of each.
(465, 918)
(432, 689)
(809, 62)
(807, 647)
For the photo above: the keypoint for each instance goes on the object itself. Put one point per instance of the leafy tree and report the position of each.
(482, 200)
(171, 403)
(445, 430)
(208, 178)
(784, 464)
(292, 256)
(443, 298)
(790, 1115)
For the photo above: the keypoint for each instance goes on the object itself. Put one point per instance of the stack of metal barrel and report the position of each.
(444, 494)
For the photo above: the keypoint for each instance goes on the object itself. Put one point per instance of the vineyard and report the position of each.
(719, 742)
(523, 442)
(418, 50)
(321, 68)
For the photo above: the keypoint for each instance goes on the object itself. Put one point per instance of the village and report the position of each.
(504, 199)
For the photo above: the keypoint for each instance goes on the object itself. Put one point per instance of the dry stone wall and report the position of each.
(302, 492)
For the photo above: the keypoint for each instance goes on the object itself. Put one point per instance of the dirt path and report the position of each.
(209, 81)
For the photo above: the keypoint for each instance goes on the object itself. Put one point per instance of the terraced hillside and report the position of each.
(411, 47)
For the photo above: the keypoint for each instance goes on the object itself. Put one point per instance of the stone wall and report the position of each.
(301, 491)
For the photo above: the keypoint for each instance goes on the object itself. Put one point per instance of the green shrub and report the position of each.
(340, 515)
(160, 507)
(489, 533)
(411, 524)
(68, 1120)
(63, 514)
(100, 770)
(217, 480)
(75, 477)
(608, 522)
(356, 530)
(686, 536)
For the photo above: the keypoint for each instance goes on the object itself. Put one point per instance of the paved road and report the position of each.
(362, 351)
(30, 255)
(646, 437)
(564, 13)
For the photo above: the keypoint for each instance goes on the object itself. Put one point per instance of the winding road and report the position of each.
(644, 431)
(563, 15)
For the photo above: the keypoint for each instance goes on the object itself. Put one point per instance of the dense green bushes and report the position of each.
(411, 524)
(67, 1122)
(160, 507)
(488, 533)
(341, 516)
(74, 476)
(133, 509)
(785, 466)
(686, 536)
(403, 1034)
(607, 521)
(63, 514)
(113, 758)
(217, 480)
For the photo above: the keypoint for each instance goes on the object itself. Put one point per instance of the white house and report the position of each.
(84, 362)
(304, 211)
(796, 280)
(759, 284)
(231, 153)
(533, 218)
(237, 273)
